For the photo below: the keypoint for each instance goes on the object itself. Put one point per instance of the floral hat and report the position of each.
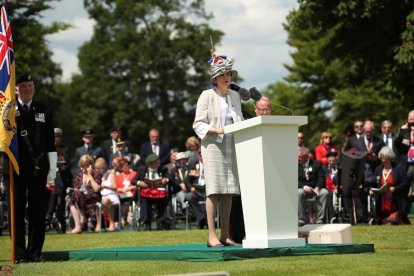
(220, 65)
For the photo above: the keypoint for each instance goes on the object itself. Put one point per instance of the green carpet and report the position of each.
(202, 253)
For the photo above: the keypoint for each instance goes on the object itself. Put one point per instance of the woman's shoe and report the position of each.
(215, 245)
(230, 242)
(74, 231)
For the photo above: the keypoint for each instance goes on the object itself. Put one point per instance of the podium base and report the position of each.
(274, 243)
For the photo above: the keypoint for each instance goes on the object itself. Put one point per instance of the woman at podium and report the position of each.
(217, 107)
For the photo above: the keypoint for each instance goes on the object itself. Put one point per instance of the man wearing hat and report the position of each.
(122, 151)
(37, 163)
(87, 148)
(153, 183)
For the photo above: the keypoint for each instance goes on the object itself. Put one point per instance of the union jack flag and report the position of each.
(216, 59)
(8, 130)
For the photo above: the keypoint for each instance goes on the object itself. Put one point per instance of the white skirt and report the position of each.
(220, 167)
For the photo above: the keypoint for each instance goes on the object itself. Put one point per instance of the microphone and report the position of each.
(256, 95)
(243, 92)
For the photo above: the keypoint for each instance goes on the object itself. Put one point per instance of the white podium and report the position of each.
(266, 150)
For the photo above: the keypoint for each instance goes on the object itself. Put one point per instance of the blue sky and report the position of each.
(254, 36)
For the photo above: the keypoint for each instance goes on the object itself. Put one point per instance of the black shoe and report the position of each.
(37, 260)
(21, 261)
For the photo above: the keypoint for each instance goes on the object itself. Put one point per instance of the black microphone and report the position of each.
(243, 92)
(256, 95)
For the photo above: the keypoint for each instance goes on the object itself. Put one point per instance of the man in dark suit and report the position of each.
(386, 134)
(37, 163)
(352, 141)
(371, 144)
(154, 146)
(310, 184)
(109, 146)
(87, 148)
(404, 145)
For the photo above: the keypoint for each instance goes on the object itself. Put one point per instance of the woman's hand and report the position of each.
(165, 181)
(89, 170)
(216, 131)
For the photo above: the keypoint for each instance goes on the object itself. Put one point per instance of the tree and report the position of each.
(32, 54)
(352, 61)
(144, 67)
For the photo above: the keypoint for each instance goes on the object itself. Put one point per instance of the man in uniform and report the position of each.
(88, 147)
(37, 161)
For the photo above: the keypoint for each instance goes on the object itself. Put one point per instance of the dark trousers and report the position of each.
(146, 209)
(30, 190)
(193, 199)
(237, 231)
(354, 203)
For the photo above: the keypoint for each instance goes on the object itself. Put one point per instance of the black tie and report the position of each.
(25, 108)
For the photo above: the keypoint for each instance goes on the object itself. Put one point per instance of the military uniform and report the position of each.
(30, 185)
(36, 125)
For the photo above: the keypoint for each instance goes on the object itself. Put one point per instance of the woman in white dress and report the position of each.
(108, 190)
(217, 107)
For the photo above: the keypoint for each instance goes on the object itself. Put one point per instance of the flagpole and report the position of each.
(12, 215)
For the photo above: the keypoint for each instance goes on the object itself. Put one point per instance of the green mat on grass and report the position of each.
(202, 253)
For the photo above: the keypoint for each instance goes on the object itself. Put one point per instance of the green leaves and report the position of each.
(353, 59)
(144, 67)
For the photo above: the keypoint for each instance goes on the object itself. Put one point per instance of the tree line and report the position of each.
(145, 65)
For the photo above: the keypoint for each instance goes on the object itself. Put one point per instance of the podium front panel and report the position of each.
(267, 166)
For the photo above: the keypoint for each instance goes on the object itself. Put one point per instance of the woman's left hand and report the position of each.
(89, 170)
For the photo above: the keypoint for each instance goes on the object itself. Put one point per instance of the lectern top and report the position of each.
(267, 120)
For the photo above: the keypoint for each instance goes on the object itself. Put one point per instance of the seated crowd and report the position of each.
(384, 192)
(113, 176)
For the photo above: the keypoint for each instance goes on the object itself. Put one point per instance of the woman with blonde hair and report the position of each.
(86, 187)
(193, 145)
(325, 146)
(108, 190)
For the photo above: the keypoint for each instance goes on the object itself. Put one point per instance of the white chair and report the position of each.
(113, 205)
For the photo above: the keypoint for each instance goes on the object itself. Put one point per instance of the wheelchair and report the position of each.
(52, 221)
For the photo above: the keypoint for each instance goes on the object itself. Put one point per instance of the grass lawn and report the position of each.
(394, 246)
